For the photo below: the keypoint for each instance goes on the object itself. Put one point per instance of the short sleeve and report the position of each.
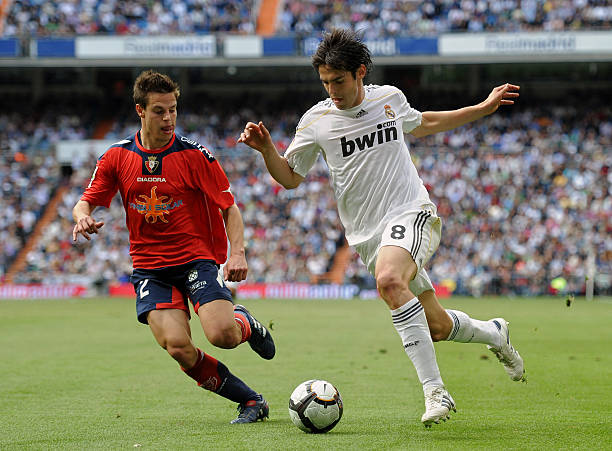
(410, 117)
(103, 185)
(303, 151)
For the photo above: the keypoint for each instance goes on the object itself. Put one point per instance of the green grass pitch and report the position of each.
(83, 374)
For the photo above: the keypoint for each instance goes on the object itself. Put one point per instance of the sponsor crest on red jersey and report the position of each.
(154, 207)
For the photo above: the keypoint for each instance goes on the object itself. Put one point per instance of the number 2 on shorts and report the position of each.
(142, 290)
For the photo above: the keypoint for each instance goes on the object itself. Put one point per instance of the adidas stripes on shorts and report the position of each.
(417, 231)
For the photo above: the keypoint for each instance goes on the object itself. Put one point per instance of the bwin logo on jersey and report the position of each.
(386, 132)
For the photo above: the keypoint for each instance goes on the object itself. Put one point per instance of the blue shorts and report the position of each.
(172, 287)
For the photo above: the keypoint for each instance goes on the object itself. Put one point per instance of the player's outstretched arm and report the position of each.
(84, 223)
(439, 121)
(258, 137)
(236, 268)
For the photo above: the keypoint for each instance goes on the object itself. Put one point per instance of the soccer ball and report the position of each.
(315, 406)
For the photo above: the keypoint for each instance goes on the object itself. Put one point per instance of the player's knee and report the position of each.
(389, 284)
(226, 337)
(178, 349)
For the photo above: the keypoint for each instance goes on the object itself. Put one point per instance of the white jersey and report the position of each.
(371, 172)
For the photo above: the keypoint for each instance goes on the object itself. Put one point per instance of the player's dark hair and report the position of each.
(342, 50)
(150, 81)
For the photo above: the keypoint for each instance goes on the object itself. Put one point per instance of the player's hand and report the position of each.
(236, 268)
(85, 226)
(501, 95)
(256, 136)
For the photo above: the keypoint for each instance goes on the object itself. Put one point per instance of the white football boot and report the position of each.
(438, 404)
(506, 354)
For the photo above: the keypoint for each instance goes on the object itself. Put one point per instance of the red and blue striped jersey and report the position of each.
(172, 197)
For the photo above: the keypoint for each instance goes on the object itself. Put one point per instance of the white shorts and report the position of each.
(416, 231)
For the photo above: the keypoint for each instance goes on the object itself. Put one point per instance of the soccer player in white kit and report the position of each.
(382, 202)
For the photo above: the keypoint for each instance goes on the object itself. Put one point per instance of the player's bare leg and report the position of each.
(171, 329)
(439, 322)
(394, 270)
(227, 325)
(219, 324)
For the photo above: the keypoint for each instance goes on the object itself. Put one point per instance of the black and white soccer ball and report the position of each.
(315, 406)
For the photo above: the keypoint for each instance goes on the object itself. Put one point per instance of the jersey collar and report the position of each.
(161, 149)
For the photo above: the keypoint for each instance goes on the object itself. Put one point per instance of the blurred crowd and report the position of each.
(24, 131)
(28, 179)
(301, 225)
(27, 185)
(378, 18)
(525, 196)
(134, 17)
(388, 18)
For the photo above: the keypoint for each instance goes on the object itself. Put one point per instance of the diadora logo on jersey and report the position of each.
(389, 112)
(361, 114)
(154, 207)
(151, 163)
(151, 179)
(200, 147)
(386, 132)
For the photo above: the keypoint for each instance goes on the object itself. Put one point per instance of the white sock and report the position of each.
(411, 325)
(469, 330)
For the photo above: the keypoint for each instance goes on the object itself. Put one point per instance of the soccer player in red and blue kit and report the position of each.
(180, 215)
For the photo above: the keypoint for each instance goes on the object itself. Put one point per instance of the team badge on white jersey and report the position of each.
(389, 112)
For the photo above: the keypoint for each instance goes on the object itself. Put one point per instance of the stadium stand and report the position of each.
(513, 191)
(25, 131)
(398, 17)
(382, 18)
(27, 185)
(69, 18)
